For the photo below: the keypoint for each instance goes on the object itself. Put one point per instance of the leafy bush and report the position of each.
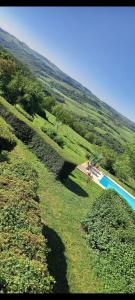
(62, 115)
(124, 165)
(21, 129)
(7, 139)
(23, 112)
(44, 151)
(109, 158)
(21, 275)
(59, 141)
(110, 231)
(53, 135)
(89, 137)
(51, 158)
(17, 181)
(22, 244)
(18, 85)
(49, 102)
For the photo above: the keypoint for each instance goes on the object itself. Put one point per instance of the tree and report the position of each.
(96, 158)
(125, 164)
(7, 69)
(131, 154)
(16, 87)
(49, 102)
(109, 158)
(89, 137)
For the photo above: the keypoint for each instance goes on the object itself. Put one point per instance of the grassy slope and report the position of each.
(103, 121)
(29, 123)
(68, 88)
(63, 206)
(75, 145)
(61, 210)
(72, 140)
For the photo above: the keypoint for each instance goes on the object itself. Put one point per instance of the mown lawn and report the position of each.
(62, 208)
(75, 147)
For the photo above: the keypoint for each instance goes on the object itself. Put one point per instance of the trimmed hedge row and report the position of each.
(45, 152)
(23, 248)
(54, 136)
(7, 140)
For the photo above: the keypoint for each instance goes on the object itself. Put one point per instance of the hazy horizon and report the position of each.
(126, 107)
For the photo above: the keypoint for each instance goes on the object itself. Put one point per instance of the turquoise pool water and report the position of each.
(109, 184)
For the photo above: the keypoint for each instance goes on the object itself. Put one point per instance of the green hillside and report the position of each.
(63, 85)
(62, 207)
(45, 199)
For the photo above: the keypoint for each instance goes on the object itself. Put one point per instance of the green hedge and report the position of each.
(30, 276)
(7, 140)
(110, 231)
(21, 129)
(23, 248)
(44, 151)
(54, 136)
(17, 181)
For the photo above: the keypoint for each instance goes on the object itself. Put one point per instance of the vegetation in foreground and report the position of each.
(110, 231)
(21, 88)
(62, 205)
(23, 247)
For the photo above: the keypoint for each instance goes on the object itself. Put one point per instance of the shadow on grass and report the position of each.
(57, 265)
(74, 187)
(50, 122)
(72, 175)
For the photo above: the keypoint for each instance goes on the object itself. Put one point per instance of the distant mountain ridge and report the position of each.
(46, 70)
(20, 49)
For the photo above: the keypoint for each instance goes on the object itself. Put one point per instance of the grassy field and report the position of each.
(75, 147)
(63, 205)
(62, 208)
(104, 122)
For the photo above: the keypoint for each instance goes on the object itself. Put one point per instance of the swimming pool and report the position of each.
(109, 184)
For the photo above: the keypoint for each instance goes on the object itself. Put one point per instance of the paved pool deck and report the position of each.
(95, 173)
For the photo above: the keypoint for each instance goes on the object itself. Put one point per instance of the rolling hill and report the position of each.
(62, 85)
(44, 198)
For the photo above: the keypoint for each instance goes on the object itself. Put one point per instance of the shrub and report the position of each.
(23, 112)
(7, 139)
(49, 102)
(21, 275)
(44, 151)
(89, 137)
(110, 231)
(21, 129)
(22, 244)
(54, 136)
(51, 158)
(19, 85)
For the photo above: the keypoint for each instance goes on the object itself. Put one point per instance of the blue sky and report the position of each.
(94, 45)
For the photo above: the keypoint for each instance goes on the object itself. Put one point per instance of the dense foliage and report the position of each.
(124, 165)
(54, 136)
(23, 247)
(7, 139)
(44, 151)
(110, 231)
(18, 85)
(83, 126)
